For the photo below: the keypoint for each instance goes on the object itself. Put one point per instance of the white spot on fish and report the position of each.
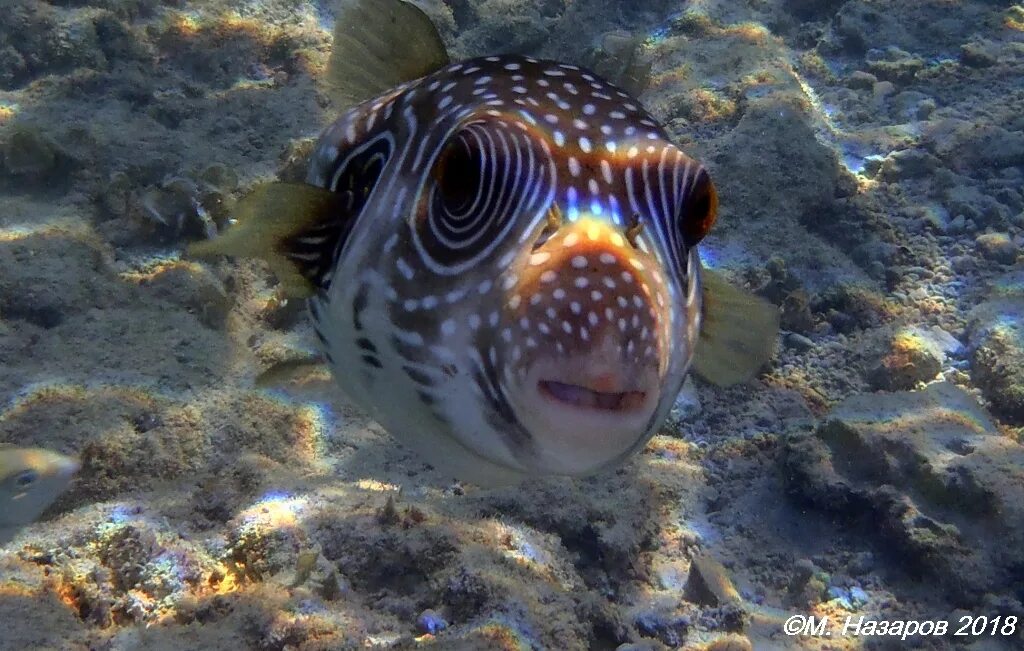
(574, 166)
(404, 268)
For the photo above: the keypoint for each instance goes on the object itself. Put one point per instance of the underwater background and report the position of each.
(869, 158)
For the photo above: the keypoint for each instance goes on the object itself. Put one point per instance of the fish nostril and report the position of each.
(551, 225)
(633, 229)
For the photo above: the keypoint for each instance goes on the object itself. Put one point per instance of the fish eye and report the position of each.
(699, 210)
(26, 478)
(457, 174)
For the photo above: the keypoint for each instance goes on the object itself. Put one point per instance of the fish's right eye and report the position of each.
(457, 174)
(26, 478)
(699, 210)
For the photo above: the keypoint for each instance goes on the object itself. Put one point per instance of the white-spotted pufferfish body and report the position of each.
(518, 288)
(500, 255)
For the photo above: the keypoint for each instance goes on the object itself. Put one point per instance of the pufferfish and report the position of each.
(499, 255)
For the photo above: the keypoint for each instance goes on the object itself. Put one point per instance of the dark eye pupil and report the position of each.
(26, 478)
(701, 205)
(699, 211)
(457, 176)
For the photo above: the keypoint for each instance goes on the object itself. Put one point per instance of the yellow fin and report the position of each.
(738, 333)
(379, 44)
(620, 61)
(270, 218)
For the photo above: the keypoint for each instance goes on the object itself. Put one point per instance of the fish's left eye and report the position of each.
(26, 478)
(699, 209)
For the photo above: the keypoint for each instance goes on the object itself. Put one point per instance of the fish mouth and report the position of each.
(582, 397)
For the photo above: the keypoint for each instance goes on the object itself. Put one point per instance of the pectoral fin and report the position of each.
(295, 227)
(738, 332)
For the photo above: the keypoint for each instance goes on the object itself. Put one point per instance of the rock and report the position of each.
(193, 287)
(997, 247)
(908, 164)
(791, 173)
(668, 628)
(176, 209)
(732, 642)
(927, 27)
(908, 359)
(796, 312)
(969, 146)
(709, 583)
(911, 105)
(858, 597)
(687, 404)
(642, 645)
(931, 474)
(849, 307)
(977, 55)
(295, 160)
(996, 344)
(798, 342)
(894, 65)
(974, 203)
(807, 585)
(282, 313)
(49, 275)
(430, 622)
(861, 80)
(12, 67)
(30, 156)
(882, 89)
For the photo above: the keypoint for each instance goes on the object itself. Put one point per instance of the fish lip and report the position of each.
(577, 396)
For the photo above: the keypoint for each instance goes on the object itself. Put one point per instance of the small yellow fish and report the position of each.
(30, 480)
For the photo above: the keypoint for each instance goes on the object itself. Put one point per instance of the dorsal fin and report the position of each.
(379, 44)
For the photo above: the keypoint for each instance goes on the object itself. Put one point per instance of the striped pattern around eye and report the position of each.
(659, 187)
(500, 175)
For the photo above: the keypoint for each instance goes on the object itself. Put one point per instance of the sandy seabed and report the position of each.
(870, 161)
